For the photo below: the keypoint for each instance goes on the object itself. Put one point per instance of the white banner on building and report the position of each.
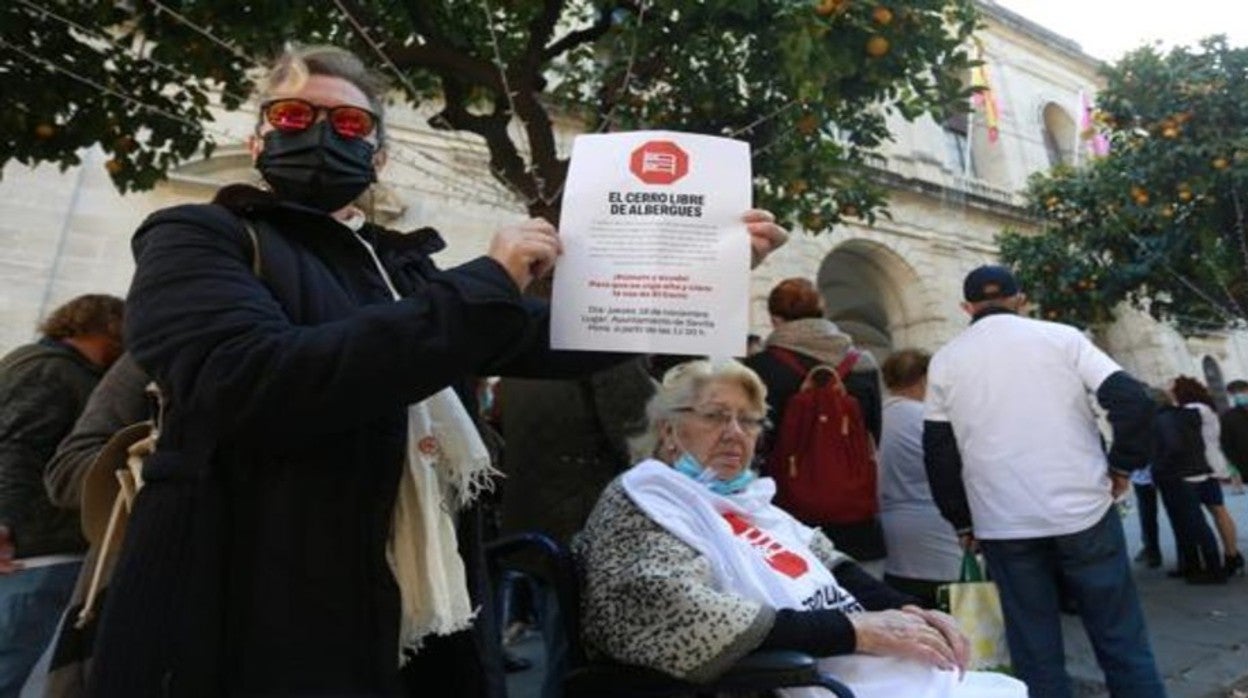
(655, 256)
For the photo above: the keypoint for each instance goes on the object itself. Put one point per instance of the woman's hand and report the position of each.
(527, 251)
(905, 634)
(949, 628)
(765, 236)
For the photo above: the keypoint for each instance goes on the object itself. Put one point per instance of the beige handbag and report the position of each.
(975, 603)
(108, 491)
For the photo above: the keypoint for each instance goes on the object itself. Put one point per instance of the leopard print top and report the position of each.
(649, 599)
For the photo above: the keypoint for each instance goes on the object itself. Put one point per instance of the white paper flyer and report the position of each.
(655, 256)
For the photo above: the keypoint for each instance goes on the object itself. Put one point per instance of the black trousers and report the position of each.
(1197, 546)
(1146, 501)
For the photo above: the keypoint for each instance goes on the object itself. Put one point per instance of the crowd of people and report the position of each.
(312, 518)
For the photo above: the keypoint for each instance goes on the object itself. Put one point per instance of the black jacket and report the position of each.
(117, 401)
(43, 388)
(255, 561)
(1178, 446)
(1235, 436)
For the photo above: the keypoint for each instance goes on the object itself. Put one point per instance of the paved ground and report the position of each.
(1200, 633)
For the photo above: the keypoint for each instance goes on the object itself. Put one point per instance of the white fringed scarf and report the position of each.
(446, 466)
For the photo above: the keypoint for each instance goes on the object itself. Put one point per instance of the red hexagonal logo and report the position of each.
(659, 162)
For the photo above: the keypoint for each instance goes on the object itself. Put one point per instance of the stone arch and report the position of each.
(1059, 131)
(873, 294)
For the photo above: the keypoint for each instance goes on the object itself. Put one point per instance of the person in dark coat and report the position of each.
(43, 388)
(1179, 466)
(1234, 435)
(801, 331)
(292, 361)
(118, 401)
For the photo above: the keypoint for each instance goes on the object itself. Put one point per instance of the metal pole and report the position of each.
(66, 220)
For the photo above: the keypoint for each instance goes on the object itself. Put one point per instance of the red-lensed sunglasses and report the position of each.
(292, 115)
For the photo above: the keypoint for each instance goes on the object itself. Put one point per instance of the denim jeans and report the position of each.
(31, 603)
(1092, 565)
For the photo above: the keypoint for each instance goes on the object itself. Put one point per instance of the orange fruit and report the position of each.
(1185, 195)
(124, 144)
(798, 186)
(849, 211)
(877, 46)
(825, 7)
(114, 166)
(45, 131)
(1220, 163)
(1170, 132)
(882, 16)
(807, 124)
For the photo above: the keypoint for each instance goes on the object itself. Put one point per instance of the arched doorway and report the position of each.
(1216, 383)
(1059, 135)
(871, 294)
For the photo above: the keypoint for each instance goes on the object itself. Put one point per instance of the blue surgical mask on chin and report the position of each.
(690, 466)
(1239, 399)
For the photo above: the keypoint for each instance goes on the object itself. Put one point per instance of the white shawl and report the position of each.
(759, 551)
(445, 467)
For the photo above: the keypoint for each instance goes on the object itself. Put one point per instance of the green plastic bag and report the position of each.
(974, 603)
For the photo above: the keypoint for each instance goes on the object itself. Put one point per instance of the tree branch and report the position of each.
(424, 23)
(447, 62)
(591, 33)
(541, 29)
(505, 161)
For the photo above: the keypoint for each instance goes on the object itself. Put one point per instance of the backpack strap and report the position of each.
(847, 364)
(257, 266)
(789, 358)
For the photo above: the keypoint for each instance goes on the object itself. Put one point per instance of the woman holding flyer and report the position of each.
(295, 533)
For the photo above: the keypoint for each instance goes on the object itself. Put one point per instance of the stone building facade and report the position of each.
(895, 284)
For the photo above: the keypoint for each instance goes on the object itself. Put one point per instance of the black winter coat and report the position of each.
(43, 388)
(1234, 437)
(1178, 445)
(254, 562)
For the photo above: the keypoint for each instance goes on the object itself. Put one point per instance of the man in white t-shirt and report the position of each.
(1016, 462)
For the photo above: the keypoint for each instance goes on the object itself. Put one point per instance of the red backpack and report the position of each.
(822, 456)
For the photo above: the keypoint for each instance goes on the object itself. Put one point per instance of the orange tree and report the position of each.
(1160, 221)
(808, 84)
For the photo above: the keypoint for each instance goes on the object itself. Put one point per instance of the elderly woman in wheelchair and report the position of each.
(688, 567)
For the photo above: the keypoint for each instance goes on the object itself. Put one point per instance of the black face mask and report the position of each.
(316, 167)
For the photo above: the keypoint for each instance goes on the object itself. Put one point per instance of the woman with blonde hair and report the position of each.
(689, 566)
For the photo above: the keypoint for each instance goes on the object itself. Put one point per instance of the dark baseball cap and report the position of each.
(989, 282)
